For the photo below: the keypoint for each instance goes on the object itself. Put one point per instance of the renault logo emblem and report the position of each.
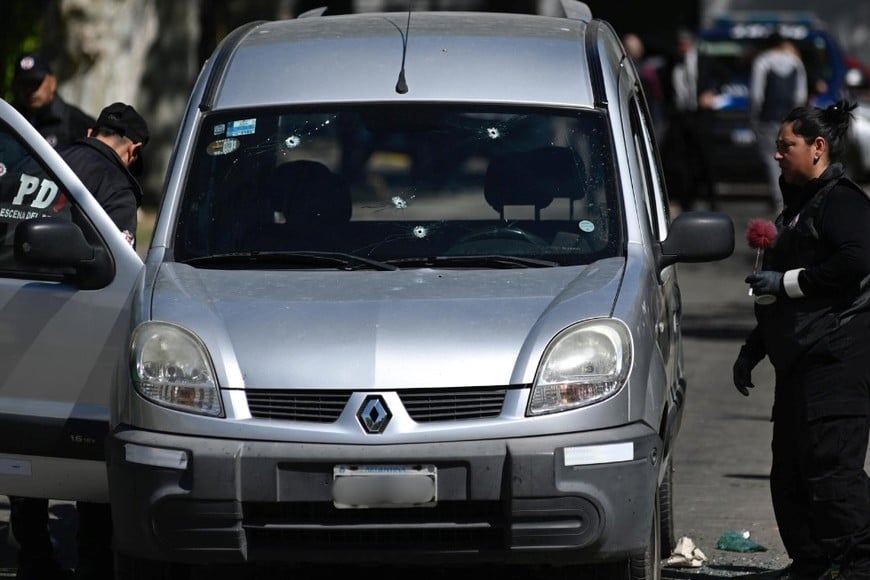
(374, 415)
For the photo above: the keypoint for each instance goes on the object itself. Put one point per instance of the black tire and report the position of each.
(666, 510)
(648, 566)
(645, 566)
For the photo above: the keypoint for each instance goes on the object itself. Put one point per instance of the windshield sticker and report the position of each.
(242, 127)
(219, 129)
(586, 226)
(222, 147)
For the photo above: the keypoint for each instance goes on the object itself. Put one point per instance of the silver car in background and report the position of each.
(411, 297)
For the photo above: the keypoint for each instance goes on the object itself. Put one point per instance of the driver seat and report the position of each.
(309, 206)
(533, 178)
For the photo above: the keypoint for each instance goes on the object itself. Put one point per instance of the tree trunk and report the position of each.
(108, 41)
(116, 54)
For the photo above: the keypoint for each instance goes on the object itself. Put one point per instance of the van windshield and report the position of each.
(404, 186)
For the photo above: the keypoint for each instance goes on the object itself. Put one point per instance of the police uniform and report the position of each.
(817, 337)
(100, 169)
(59, 122)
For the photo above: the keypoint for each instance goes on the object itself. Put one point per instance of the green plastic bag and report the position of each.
(734, 541)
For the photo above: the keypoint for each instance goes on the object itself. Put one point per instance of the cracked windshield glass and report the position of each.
(400, 187)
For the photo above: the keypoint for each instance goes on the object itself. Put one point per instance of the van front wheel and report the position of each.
(643, 566)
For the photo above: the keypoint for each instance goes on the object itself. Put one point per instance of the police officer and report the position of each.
(35, 91)
(36, 98)
(816, 334)
(108, 161)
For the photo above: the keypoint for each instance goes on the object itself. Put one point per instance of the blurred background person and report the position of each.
(35, 89)
(777, 85)
(685, 150)
(649, 70)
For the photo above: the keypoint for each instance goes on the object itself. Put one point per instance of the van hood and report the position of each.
(408, 328)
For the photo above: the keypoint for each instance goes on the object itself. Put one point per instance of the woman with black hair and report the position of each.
(815, 329)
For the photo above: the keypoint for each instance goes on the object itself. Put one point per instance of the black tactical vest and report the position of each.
(791, 326)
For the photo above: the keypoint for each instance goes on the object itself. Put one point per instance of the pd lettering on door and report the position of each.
(40, 193)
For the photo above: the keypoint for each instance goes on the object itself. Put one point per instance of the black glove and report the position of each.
(766, 282)
(743, 374)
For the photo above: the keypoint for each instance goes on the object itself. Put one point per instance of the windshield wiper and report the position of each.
(302, 259)
(485, 261)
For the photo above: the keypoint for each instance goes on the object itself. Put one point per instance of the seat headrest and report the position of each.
(533, 178)
(308, 193)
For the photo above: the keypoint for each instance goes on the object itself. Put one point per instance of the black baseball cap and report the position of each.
(31, 69)
(125, 121)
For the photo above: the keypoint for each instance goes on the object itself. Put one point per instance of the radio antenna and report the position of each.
(401, 84)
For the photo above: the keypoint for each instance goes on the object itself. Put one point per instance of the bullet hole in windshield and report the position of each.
(292, 141)
(400, 202)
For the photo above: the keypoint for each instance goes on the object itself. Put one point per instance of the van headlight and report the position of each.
(584, 364)
(171, 367)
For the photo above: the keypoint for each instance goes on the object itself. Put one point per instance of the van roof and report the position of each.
(451, 57)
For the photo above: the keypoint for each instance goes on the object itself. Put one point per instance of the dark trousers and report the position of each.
(820, 491)
(28, 519)
(687, 159)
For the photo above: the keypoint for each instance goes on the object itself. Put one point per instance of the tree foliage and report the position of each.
(25, 35)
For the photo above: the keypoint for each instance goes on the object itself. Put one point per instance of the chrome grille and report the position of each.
(317, 406)
(426, 405)
(423, 405)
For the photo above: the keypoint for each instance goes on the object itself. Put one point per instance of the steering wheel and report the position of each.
(501, 240)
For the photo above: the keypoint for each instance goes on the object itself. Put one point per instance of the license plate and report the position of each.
(384, 486)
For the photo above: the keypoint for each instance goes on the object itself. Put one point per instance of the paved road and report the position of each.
(722, 455)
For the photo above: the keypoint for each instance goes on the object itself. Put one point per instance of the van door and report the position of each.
(64, 321)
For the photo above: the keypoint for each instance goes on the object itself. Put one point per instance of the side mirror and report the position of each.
(61, 245)
(697, 236)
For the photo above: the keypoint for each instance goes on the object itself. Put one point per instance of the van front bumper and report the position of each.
(561, 499)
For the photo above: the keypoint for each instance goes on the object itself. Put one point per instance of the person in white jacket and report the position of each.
(778, 84)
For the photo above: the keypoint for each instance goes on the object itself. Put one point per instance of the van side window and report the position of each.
(656, 198)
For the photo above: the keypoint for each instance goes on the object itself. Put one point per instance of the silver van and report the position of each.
(411, 297)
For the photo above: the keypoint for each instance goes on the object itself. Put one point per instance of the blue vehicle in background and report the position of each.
(726, 50)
